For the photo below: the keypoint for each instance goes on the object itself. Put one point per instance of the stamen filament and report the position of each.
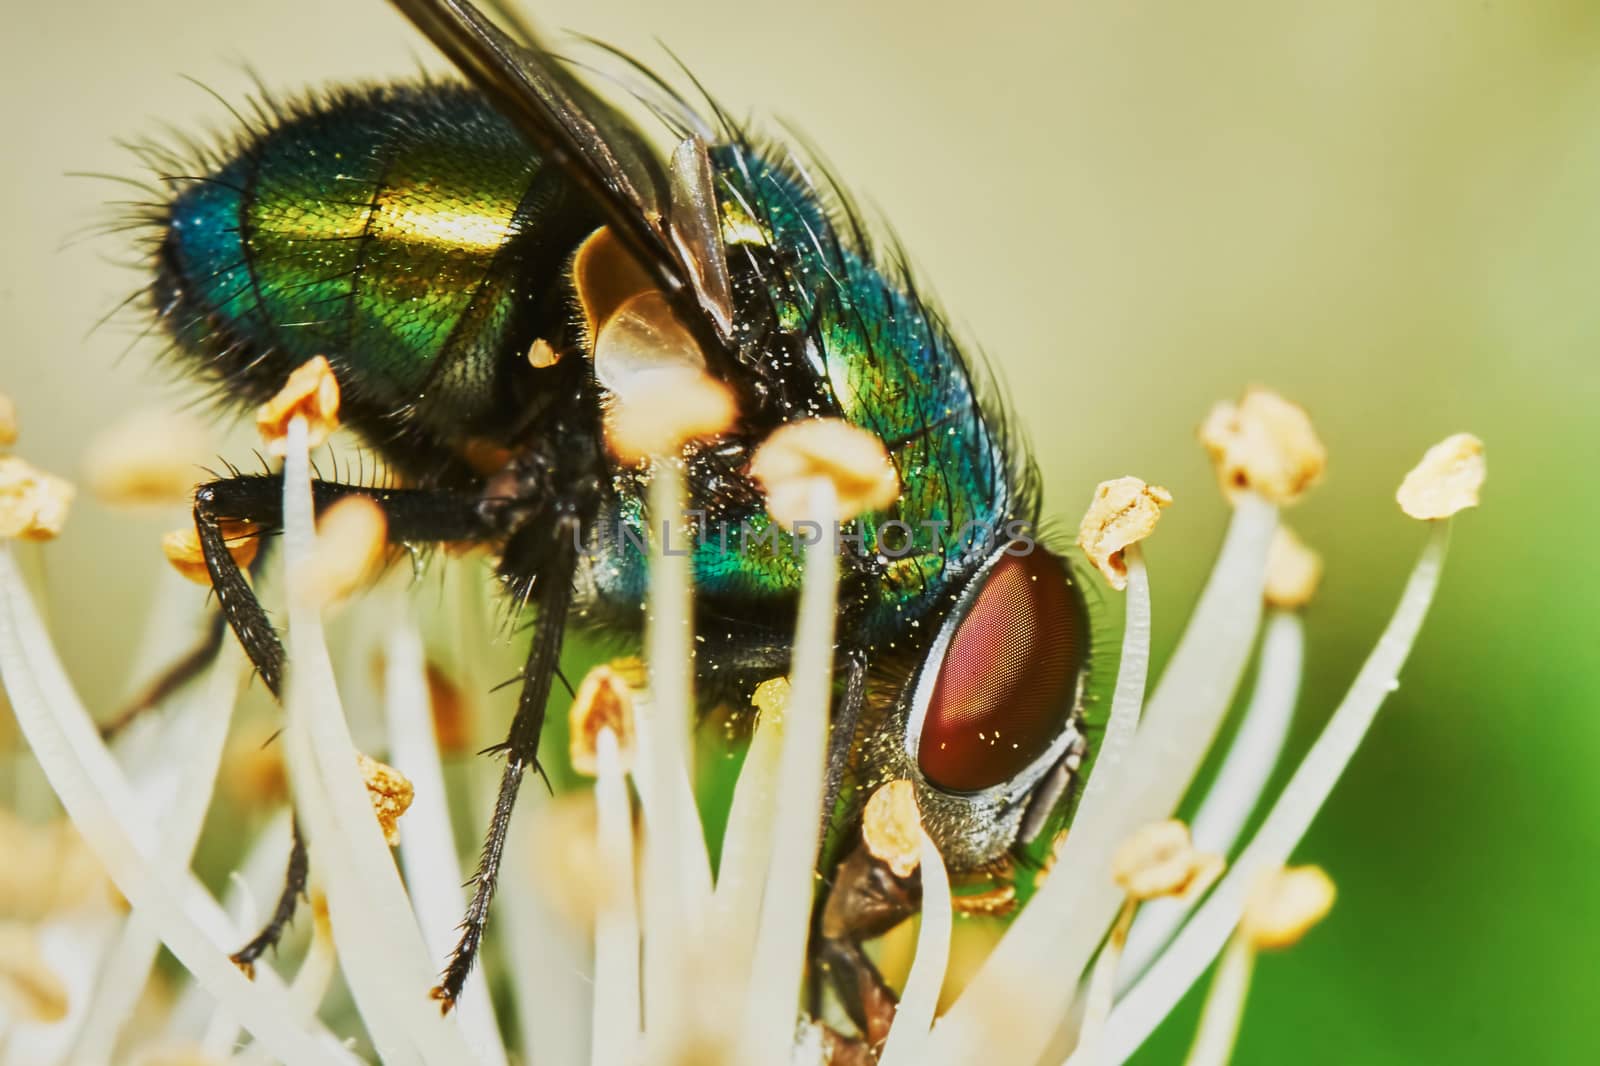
(380, 948)
(1182, 964)
(913, 1019)
(100, 803)
(615, 1028)
(1102, 987)
(677, 870)
(311, 981)
(200, 726)
(747, 842)
(1239, 783)
(780, 949)
(1219, 1021)
(428, 852)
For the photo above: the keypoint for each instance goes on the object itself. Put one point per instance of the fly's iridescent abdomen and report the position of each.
(408, 233)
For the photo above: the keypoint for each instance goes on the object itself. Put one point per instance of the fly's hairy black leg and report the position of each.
(289, 897)
(414, 515)
(193, 663)
(554, 546)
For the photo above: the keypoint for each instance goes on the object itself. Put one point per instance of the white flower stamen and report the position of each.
(385, 963)
(780, 946)
(913, 1019)
(1240, 782)
(427, 842)
(1154, 996)
(615, 1029)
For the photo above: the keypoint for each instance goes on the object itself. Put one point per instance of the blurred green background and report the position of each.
(1388, 211)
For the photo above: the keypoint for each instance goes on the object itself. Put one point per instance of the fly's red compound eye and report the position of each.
(1008, 680)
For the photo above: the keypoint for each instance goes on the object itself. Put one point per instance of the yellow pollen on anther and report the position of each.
(1293, 571)
(1284, 904)
(853, 460)
(183, 551)
(8, 421)
(146, 458)
(604, 701)
(891, 826)
(1447, 479)
(390, 792)
(33, 504)
(312, 393)
(1266, 444)
(1123, 512)
(1160, 860)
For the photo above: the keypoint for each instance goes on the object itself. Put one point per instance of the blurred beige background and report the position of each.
(1389, 211)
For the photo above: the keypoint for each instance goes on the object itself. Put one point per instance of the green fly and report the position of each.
(427, 237)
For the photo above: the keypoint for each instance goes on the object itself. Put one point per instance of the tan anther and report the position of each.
(605, 276)
(254, 774)
(771, 698)
(33, 504)
(1264, 443)
(542, 354)
(1123, 512)
(1446, 481)
(352, 538)
(790, 462)
(1293, 571)
(680, 405)
(46, 868)
(29, 988)
(1160, 860)
(994, 902)
(182, 548)
(312, 392)
(604, 701)
(1284, 904)
(8, 421)
(146, 458)
(390, 793)
(452, 714)
(891, 826)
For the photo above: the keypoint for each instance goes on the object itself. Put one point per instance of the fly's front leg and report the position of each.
(414, 515)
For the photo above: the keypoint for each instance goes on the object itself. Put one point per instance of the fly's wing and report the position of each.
(604, 154)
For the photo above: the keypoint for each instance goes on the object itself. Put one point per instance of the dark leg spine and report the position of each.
(553, 597)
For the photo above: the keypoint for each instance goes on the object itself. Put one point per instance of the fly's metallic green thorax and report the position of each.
(831, 332)
(886, 363)
(410, 234)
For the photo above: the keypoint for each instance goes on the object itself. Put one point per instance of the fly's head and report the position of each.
(989, 725)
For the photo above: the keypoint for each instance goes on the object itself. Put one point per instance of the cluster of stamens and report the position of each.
(690, 963)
